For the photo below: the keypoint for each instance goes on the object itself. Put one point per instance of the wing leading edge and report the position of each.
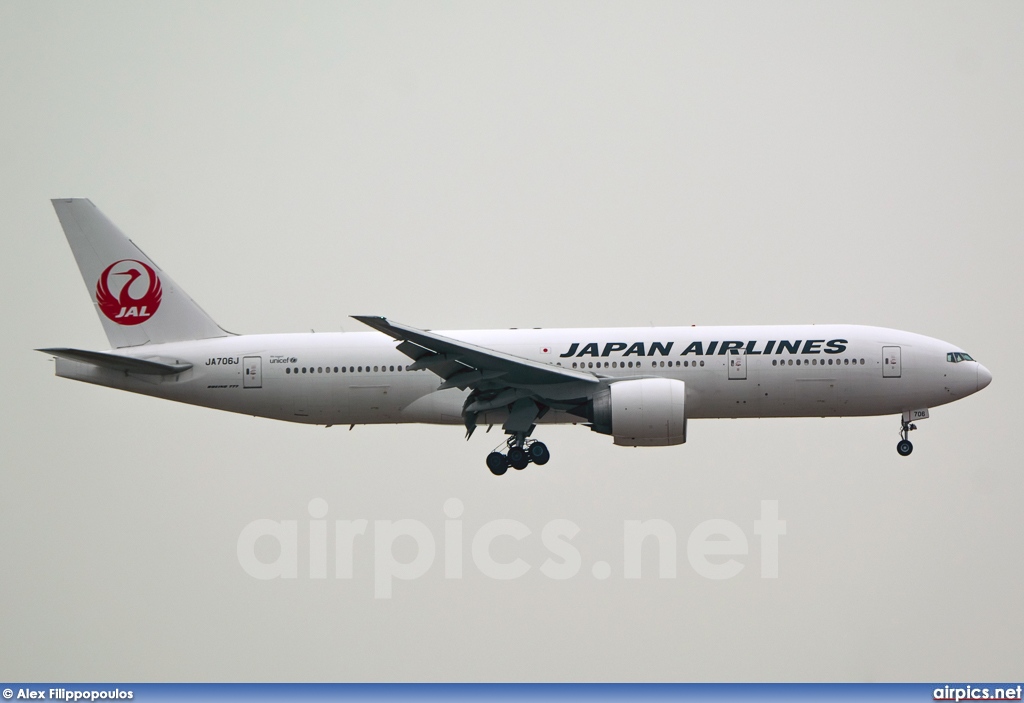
(463, 365)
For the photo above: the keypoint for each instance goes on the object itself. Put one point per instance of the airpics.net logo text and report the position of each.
(715, 549)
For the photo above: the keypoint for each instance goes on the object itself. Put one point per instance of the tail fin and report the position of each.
(136, 301)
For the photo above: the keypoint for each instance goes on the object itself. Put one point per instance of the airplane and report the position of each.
(638, 385)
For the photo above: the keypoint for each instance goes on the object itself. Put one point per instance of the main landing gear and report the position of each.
(521, 453)
(904, 446)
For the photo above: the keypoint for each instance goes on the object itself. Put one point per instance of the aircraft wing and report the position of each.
(464, 365)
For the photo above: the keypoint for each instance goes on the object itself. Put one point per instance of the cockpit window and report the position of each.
(958, 356)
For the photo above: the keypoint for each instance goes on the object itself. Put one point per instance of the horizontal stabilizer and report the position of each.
(117, 362)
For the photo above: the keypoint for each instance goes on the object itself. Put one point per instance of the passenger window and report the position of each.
(701, 362)
(288, 370)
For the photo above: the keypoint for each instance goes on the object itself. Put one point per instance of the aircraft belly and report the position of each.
(435, 407)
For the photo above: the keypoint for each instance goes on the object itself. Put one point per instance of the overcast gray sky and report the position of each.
(474, 165)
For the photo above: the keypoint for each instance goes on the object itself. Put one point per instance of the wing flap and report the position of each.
(414, 351)
(464, 379)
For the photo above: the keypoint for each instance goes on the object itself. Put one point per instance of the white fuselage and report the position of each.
(730, 372)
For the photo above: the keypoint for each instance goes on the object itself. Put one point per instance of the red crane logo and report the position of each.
(122, 307)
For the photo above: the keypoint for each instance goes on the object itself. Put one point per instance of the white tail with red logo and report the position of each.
(136, 301)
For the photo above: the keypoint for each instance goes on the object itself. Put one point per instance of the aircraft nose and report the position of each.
(984, 377)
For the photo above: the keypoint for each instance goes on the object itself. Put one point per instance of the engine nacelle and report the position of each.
(647, 412)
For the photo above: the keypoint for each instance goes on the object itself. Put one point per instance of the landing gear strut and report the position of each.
(521, 453)
(904, 446)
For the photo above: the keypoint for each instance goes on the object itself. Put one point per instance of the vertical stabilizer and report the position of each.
(136, 301)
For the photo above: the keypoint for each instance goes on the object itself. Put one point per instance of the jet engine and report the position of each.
(647, 412)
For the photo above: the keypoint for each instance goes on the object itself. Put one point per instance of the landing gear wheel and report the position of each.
(497, 463)
(518, 458)
(904, 447)
(539, 453)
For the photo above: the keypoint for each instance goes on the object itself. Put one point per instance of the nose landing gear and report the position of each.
(904, 446)
(521, 453)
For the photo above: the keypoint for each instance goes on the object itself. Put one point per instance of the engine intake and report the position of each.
(647, 412)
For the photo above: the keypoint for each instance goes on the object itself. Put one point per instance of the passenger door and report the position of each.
(252, 372)
(737, 367)
(891, 365)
